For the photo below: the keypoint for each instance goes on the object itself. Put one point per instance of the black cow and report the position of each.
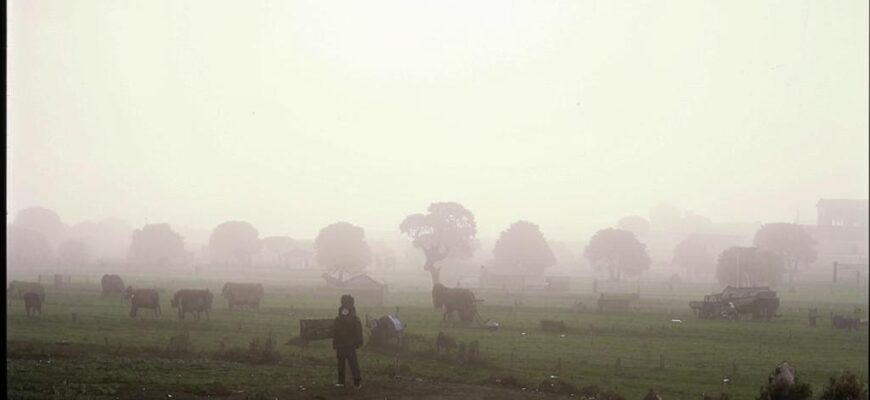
(192, 301)
(243, 294)
(142, 298)
(32, 303)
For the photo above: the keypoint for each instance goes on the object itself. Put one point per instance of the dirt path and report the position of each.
(381, 390)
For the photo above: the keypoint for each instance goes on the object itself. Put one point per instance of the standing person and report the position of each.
(347, 337)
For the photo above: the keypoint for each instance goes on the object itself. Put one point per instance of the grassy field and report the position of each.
(105, 353)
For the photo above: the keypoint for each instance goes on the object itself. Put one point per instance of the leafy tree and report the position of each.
(278, 244)
(692, 255)
(156, 244)
(342, 246)
(234, 241)
(42, 220)
(846, 386)
(73, 253)
(523, 246)
(790, 241)
(748, 266)
(635, 224)
(26, 248)
(107, 239)
(694, 223)
(448, 230)
(618, 251)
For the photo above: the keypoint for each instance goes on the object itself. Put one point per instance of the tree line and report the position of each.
(446, 231)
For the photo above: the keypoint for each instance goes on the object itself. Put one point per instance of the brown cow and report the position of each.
(243, 294)
(32, 303)
(192, 301)
(142, 298)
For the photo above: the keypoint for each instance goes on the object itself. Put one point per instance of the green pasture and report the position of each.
(105, 353)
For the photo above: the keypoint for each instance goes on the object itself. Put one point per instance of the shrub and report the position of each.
(798, 391)
(846, 386)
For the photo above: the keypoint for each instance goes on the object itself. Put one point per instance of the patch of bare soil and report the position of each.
(397, 389)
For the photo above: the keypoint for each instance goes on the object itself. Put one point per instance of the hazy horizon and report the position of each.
(295, 115)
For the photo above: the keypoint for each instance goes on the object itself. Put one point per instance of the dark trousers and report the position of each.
(347, 356)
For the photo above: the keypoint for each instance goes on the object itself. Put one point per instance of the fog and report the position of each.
(572, 115)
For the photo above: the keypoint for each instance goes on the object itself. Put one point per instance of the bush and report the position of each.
(798, 391)
(256, 353)
(593, 392)
(846, 386)
(180, 343)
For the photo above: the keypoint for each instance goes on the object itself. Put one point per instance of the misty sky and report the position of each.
(293, 115)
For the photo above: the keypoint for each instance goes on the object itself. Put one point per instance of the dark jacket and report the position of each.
(347, 331)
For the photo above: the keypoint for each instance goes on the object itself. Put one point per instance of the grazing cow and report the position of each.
(841, 322)
(32, 303)
(192, 301)
(112, 285)
(445, 343)
(243, 294)
(17, 289)
(456, 300)
(142, 298)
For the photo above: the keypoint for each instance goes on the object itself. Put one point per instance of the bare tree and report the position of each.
(447, 230)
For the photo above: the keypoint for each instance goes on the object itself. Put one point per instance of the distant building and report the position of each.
(846, 213)
(841, 231)
(364, 288)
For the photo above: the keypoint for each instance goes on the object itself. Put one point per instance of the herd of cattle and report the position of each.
(193, 301)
